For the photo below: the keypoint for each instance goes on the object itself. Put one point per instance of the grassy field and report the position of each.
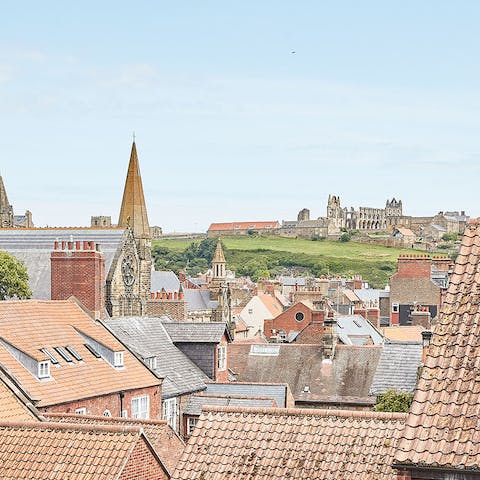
(375, 263)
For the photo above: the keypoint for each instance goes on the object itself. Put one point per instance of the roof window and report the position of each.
(92, 350)
(50, 355)
(73, 353)
(63, 354)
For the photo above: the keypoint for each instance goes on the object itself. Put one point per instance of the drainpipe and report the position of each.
(121, 394)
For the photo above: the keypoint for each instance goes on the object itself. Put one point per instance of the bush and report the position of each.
(449, 237)
(393, 401)
(345, 237)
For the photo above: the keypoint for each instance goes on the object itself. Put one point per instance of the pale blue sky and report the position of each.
(380, 99)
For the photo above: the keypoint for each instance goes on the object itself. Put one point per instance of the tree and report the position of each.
(393, 401)
(13, 278)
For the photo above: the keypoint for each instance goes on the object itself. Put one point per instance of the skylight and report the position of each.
(50, 355)
(73, 353)
(92, 351)
(63, 354)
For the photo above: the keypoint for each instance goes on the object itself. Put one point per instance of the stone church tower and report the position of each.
(219, 288)
(6, 210)
(128, 280)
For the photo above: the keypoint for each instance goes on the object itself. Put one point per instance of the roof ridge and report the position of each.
(223, 395)
(71, 426)
(105, 419)
(309, 412)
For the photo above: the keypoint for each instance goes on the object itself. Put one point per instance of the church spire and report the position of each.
(218, 262)
(134, 211)
(3, 195)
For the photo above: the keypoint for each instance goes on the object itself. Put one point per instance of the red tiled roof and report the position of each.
(32, 325)
(409, 333)
(242, 226)
(13, 404)
(167, 444)
(46, 450)
(442, 429)
(260, 444)
(272, 303)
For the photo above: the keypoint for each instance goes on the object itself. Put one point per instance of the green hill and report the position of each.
(259, 256)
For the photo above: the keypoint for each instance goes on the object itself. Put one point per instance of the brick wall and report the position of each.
(111, 402)
(143, 465)
(287, 321)
(176, 309)
(221, 375)
(413, 267)
(78, 268)
(403, 474)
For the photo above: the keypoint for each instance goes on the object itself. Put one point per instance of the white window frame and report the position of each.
(81, 411)
(191, 424)
(222, 358)
(395, 307)
(140, 407)
(169, 412)
(151, 362)
(107, 413)
(118, 359)
(282, 336)
(43, 370)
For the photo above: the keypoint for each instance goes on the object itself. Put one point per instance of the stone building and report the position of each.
(7, 218)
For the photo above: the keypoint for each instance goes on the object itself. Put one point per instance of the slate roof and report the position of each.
(195, 332)
(197, 401)
(356, 330)
(32, 325)
(278, 391)
(259, 444)
(164, 280)
(148, 337)
(46, 450)
(442, 429)
(167, 444)
(345, 380)
(368, 294)
(397, 367)
(198, 300)
(33, 248)
(292, 281)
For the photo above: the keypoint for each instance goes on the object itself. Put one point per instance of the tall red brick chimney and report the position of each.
(78, 269)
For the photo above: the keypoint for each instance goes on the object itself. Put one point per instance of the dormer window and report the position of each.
(44, 369)
(118, 359)
(151, 362)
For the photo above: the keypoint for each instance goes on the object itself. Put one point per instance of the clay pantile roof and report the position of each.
(167, 444)
(272, 303)
(260, 444)
(32, 325)
(133, 211)
(407, 333)
(405, 231)
(13, 403)
(242, 226)
(442, 429)
(350, 295)
(46, 450)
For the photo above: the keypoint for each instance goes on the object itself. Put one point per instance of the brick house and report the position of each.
(149, 339)
(40, 450)
(69, 363)
(420, 280)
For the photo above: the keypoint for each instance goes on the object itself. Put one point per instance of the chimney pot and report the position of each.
(77, 245)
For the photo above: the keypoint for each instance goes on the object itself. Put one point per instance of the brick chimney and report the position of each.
(414, 266)
(421, 316)
(373, 316)
(78, 269)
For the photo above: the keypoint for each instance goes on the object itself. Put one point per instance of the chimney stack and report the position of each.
(329, 337)
(426, 340)
(79, 272)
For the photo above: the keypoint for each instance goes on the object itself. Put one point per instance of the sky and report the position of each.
(242, 111)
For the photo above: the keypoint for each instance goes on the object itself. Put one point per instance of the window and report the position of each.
(169, 412)
(107, 413)
(63, 354)
(141, 407)
(118, 359)
(250, 311)
(282, 336)
(222, 357)
(44, 369)
(151, 362)
(299, 316)
(395, 308)
(191, 424)
(73, 353)
(50, 355)
(81, 411)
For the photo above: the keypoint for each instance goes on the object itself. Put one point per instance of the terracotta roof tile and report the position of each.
(167, 444)
(45, 450)
(32, 325)
(232, 443)
(13, 405)
(408, 333)
(442, 428)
